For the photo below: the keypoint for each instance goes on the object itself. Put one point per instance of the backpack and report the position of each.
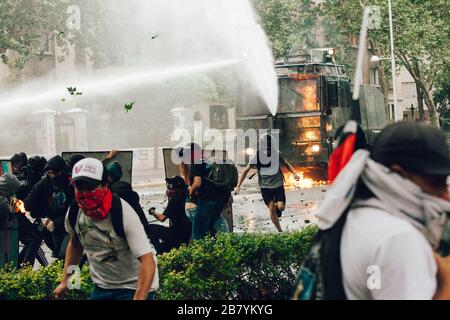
(320, 274)
(116, 214)
(223, 174)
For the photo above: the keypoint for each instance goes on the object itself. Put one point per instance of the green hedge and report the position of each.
(232, 266)
(29, 284)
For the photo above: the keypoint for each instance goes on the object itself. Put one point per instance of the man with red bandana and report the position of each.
(122, 268)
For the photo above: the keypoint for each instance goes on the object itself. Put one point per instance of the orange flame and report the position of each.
(19, 206)
(311, 135)
(309, 94)
(302, 183)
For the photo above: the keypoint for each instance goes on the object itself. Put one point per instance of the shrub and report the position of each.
(29, 284)
(232, 266)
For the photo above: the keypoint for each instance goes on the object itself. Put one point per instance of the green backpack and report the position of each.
(223, 174)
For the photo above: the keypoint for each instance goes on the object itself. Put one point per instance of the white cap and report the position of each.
(88, 169)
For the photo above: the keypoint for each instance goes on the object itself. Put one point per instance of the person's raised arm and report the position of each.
(184, 172)
(195, 185)
(110, 155)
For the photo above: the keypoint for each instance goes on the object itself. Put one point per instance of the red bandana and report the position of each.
(95, 204)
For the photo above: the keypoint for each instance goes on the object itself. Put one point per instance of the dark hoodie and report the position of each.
(49, 200)
(8, 187)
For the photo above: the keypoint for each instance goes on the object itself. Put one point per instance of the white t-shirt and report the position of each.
(114, 260)
(387, 254)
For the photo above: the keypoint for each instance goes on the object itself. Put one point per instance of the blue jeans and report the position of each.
(116, 294)
(206, 214)
(220, 225)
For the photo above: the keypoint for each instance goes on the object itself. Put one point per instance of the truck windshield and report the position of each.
(298, 95)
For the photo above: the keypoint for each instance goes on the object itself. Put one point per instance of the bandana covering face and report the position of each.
(173, 193)
(397, 195)
(95, 204)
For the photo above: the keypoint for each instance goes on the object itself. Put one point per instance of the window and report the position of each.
(373, 74)
(391, 112)
(298, 95)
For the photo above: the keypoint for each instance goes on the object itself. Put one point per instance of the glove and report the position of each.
(50, 225)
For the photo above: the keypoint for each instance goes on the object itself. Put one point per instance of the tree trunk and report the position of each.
(420, 104)
(434, 115)
(425, 88)
(385, 89)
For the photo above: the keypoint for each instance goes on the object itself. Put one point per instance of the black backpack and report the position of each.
(320, 274)
(116, 214)
(223, 174)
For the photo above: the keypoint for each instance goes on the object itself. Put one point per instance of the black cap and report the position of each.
(74, 159)
(37, 163)
(417, 147)
(57, 163)
(175, 182)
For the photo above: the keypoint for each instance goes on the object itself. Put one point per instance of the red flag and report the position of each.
(348, 141)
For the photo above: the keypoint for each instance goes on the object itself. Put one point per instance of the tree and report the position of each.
(287, 23)
(442, 95)
(23, 25)
(26, 24)
(422, 34)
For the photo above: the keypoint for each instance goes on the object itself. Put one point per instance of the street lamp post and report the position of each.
(394, 86)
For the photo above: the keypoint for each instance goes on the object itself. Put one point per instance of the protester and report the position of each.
(50, 198)
(123, 266)
(382, 221)
(267, 161)
(30, 234)
(8, 187)
(208, 200)
(19, 162)
(73, 159)
(179, 231)
(35, 169)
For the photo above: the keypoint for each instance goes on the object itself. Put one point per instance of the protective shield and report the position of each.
(125, 158)
(5, 166)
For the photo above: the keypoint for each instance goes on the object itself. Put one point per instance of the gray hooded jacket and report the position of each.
(8, 187)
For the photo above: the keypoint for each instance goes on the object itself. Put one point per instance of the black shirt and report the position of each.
(181, 225)
(208, 191)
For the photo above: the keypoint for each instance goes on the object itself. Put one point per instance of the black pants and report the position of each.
(60, 238)
(164, 239)
(31, 238)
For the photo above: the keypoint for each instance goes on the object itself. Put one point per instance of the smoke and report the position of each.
(156, 53)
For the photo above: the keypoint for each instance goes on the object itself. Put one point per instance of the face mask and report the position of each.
(58, 181)
(171, 193)
(95, 204)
